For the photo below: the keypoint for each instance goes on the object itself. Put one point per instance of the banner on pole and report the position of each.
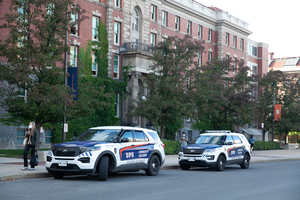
(73, 80)
(277, 112)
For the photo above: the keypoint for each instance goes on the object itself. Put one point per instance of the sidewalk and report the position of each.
(10, 168)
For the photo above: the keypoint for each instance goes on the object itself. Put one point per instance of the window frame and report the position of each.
(242, 44)
(75, 57)
(189, 27)
(117, 33)
(116, 67)
(152, 39)
(95, 29)
(116, 103)
(227, 39)
(177, 23)
(209, 35)
(199, 31)
(164, 18)
(234, 41)
(153, 13)
(117, 3)
(94, 61)
(75, 25)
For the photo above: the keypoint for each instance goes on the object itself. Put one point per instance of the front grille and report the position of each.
(68, 167)
(66, 151)
(193, 151)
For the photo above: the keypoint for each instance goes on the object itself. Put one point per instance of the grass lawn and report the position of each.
(15, 153)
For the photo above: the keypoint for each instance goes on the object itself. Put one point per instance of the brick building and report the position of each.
(134, 25)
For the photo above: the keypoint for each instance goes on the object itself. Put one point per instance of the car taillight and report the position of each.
(163, 145)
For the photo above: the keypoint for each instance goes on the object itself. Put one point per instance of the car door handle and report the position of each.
(133, 145)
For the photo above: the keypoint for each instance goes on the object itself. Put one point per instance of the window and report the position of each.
(209, 35)
(94, 63)
(234, 65)
(20, 136)
(128, 134)
(199, 31)
(116, 104)
(242, 44)
(254, 69)
(48, 135)
(252, 50)
(135, 20)
(227, 39)
(164, 18)
(22, 93)
(234, 41)
(95, 25)
(153, 12)
(236, 139)
(50, 9)
(140, 136)
(176, 23)
(73, 56)
(209, 56)
(117, 3)
(74, 28)
(117, 33)
(189, 27)
(116, 66)
(199, 59)
(152, 41)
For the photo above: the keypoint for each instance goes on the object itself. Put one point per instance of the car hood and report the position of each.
(78, 144)
(202, 146)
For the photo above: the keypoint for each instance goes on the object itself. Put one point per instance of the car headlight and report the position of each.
(209, 151)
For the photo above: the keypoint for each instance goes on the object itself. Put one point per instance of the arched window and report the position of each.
(135, 20)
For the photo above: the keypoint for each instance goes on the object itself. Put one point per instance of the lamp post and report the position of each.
(66, 81)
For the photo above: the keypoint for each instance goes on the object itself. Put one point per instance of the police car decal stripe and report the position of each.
(137, 151)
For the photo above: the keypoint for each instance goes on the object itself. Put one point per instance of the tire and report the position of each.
(184, 167)
(153, 166)
(103, 168)
(58, 175)
(246, 162)
(221, 162)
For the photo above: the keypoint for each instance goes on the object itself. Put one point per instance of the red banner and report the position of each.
(277, 112)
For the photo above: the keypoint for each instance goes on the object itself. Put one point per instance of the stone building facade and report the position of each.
(134, 25)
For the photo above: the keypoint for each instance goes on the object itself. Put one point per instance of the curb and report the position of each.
(25, 176)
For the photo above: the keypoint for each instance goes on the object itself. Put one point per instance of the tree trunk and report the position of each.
(286, 138)
(162, 132)
(38, 128)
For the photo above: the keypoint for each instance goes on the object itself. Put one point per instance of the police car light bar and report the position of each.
(218, 131)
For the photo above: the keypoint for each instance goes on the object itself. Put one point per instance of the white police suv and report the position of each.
(216, 149)
(103, 150)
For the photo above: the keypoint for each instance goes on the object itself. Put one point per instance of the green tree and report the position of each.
(169, 82)
(220, 99)
(32, 56)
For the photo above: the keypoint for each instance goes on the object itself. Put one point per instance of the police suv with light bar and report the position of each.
(103, 150)
(216, 149)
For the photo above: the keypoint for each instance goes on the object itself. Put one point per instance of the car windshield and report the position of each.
(104, 135)
(210, 139)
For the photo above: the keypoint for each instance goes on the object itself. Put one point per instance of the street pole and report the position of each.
(66, 82)
(273, 113)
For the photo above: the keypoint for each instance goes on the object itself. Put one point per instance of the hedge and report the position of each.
(172, 147)
(266, 145)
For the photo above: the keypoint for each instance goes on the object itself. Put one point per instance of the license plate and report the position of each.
(62, 163)
(191, 159)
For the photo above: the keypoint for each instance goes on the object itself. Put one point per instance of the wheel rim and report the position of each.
(154, 165)
(222, 163)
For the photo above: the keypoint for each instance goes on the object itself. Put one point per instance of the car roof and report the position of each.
(216, 133)
(122, 127)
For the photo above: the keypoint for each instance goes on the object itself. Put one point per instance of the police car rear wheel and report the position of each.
(153, 167)
(246, 162)
(221, 163)
(103, 168)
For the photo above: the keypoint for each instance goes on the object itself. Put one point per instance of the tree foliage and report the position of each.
(221, 99)
(168, 82)
(32, 55)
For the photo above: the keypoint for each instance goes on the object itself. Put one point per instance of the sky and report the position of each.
(275, 23)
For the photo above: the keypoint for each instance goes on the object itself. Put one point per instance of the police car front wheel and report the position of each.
(153, 166)
(103, 168)
(221, 163)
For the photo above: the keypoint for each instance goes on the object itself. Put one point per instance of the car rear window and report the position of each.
(154, 135)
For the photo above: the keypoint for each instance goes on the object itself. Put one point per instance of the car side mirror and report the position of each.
(124, 140)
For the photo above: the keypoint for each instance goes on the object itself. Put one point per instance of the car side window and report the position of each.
(140, 136)
(236, 139)
(128, 134)
(228, 139)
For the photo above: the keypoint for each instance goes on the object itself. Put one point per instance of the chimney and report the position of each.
(271, 54)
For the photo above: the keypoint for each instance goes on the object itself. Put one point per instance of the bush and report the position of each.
(171, 147)
(266, 145)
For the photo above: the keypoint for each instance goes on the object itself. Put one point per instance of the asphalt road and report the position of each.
(269, 180)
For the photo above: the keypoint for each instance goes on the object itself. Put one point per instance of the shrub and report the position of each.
(266, 145)
(171, 147)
